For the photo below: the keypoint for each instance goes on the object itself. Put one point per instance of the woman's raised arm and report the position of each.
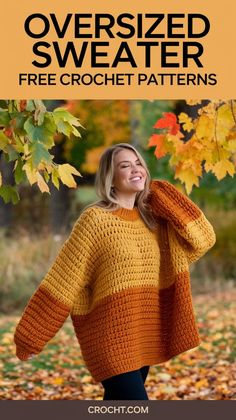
(193, 231)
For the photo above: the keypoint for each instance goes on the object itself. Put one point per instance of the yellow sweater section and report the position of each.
(113, 255)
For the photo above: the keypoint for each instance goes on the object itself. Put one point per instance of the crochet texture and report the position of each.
(126, 287)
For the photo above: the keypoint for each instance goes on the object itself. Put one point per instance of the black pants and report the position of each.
(126, 386)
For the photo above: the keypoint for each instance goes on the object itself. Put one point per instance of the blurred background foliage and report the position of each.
(32, 232)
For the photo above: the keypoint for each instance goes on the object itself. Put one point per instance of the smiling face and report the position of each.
(129, 174)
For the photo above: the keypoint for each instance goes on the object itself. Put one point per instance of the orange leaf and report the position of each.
(168, 121)
(158, 140)
(202, 383)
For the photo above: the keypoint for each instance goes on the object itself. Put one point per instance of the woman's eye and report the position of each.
(126, 166)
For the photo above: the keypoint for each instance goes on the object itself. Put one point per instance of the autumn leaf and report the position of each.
(212, 144)
(208, 166)
(168, 121)
(30, 172)
(158, 141)
(203, 383)
(205, 128)
(58, 381)
(66, 123)
(224, 123)
(187, 176)
(186, 121)
(55, 176)
(65, 172)
(221, 168)
(41, 183)
(193, 102)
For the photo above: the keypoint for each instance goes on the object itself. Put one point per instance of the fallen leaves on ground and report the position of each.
(207, 372)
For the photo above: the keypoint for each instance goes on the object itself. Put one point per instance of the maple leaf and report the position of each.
(205, 128)
(168, 121)
(193, 102)
(221, 168)
(65, 172)
(158, 140)
(186, 121)
(208, 166)
(225, 122)
(186, 175)
(41, 183)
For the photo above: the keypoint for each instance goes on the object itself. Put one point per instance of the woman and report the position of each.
(123, 276)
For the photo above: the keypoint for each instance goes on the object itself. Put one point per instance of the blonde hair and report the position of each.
(104, 179)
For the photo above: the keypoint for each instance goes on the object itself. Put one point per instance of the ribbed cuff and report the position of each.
(22, 354)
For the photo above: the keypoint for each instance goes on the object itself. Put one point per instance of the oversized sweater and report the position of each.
(126, 287)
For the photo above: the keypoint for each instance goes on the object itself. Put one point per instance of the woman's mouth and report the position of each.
(136, 179)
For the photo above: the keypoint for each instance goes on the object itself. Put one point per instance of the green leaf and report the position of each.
(11, 153)
(19, 119)
(43, 133)
(39, 153)
(76, 132)
(9, 193)
(19, 147)
(64, 127)
(19, 174)
(4, 118)
(63, 114)
(4, 140)
(30, 106)
(3, 104)
(66, 122)
(46, 176)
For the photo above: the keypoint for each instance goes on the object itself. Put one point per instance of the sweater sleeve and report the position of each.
(193, 231)
(51, 303)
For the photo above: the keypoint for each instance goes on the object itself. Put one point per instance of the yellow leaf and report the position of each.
(208, 166)
(186, 121)
(26, 149)
(205, 128)
(65, 172)
(30, 172)
(55, 176)
(224, 123)
(43, 186)
(221, 168)
(193, 101)
(187, 176)
(230, 145)
(203, 383)
(58, 381)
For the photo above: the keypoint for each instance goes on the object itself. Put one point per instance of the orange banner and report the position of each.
(118, 50)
